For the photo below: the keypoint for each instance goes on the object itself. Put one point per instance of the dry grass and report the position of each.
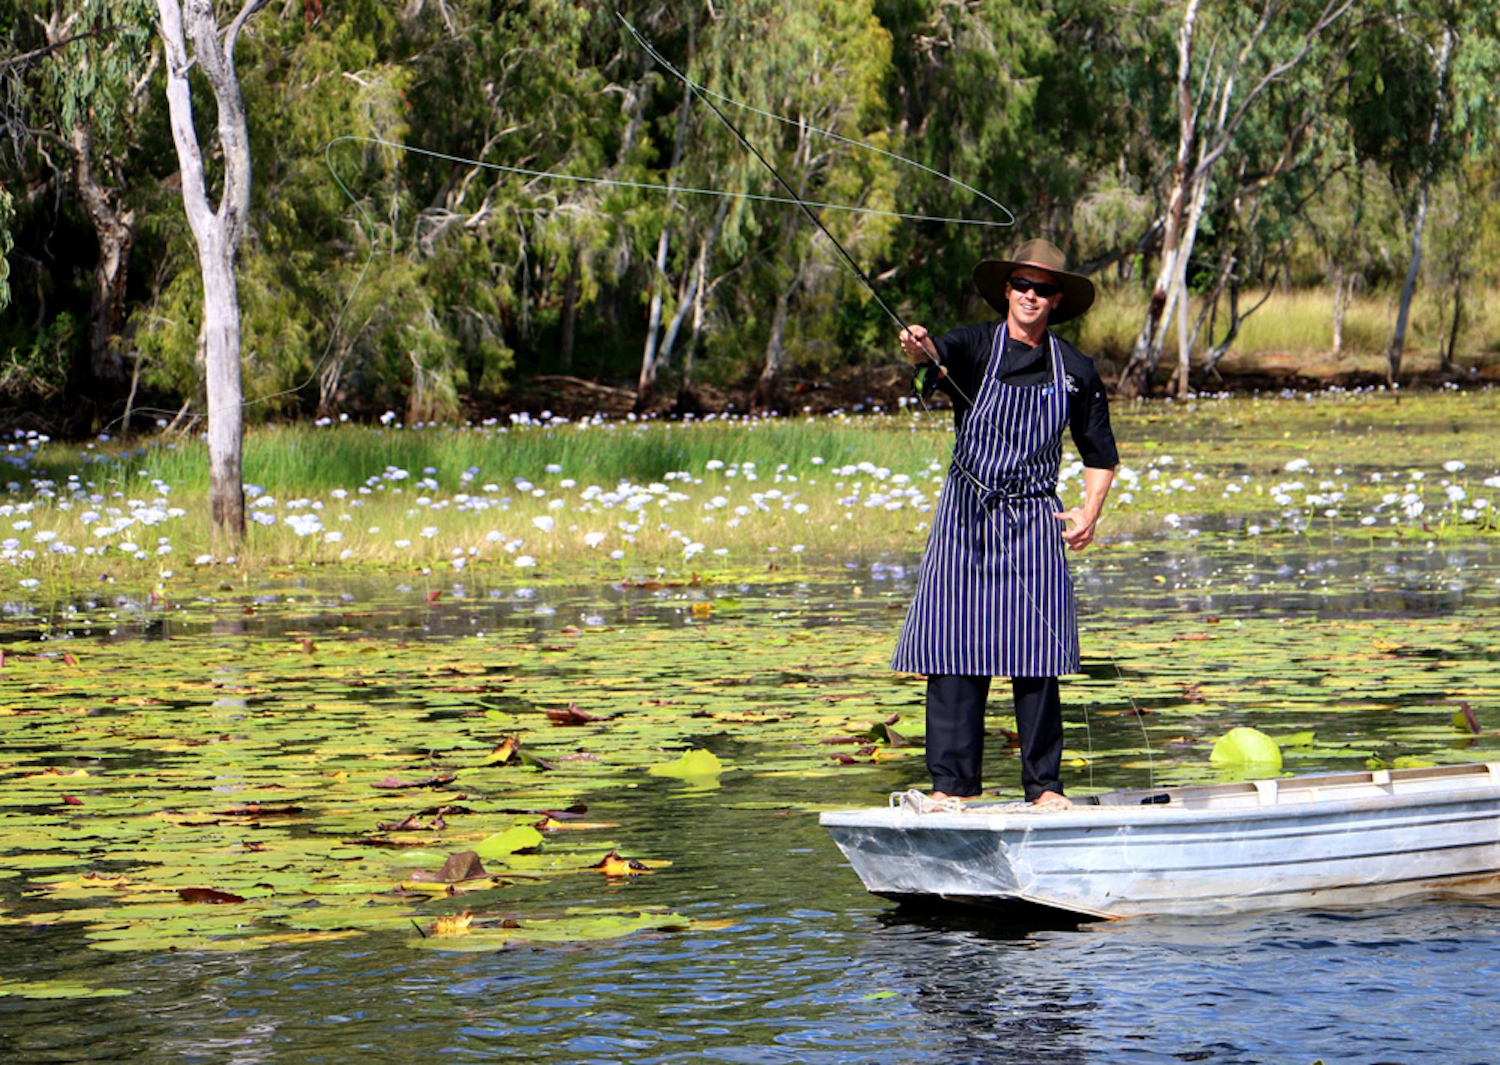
(1293, 332)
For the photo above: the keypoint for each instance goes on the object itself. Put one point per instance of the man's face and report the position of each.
(1027, 308)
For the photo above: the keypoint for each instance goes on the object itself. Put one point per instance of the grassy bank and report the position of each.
(1293, 332)
(638, 498)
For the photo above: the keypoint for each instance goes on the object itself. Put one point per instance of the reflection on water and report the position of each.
(1341, 577)
(809, 970)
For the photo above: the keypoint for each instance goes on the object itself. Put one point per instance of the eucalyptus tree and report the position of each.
(193, 38)
(78, 96)
(512, 259)
(1424, 99)
(965, 84)
(815, 67)
(1223, 82)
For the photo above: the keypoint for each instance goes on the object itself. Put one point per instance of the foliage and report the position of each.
(401, 269)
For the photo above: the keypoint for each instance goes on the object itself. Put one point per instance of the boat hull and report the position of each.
(1333, 840)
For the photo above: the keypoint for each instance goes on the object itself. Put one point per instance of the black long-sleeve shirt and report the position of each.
(965, 353)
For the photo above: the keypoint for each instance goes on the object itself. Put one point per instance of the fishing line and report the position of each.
(700, 94)
(692, 87)
(704, 91)
(957, 464)
(982, 491)
(551, 175)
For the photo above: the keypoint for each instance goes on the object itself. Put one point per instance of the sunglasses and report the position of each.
(1044, 289)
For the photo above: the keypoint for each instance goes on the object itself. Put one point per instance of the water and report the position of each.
(790, 960)
(810, 970)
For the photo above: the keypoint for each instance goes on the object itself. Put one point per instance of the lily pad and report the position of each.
(1245, 746)
(693, 765)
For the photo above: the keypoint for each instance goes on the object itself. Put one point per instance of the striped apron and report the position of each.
(994, 597)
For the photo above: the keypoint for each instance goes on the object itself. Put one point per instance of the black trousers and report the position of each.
(955, 732)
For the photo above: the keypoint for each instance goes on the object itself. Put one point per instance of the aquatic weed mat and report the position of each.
(301, 765)
(653, 499)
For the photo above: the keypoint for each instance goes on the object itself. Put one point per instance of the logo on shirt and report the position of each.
(1071, 382)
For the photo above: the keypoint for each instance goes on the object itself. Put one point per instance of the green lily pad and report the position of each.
(1244, 746)
(57, 989)
(694, 764)
(519, 838)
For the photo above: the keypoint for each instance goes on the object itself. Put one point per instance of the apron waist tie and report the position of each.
(997, 495)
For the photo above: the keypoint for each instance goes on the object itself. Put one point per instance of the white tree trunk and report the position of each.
(1136, 378)
(1340, 301)
(1419, 221)
(221, 313)
(217, 232)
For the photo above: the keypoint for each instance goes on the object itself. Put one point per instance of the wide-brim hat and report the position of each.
(1078, 291)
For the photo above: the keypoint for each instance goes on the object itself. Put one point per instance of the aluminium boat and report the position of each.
(1330, 839)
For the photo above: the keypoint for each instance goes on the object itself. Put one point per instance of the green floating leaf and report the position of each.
(519, 838)
(57, 989)
(1412, 761)
(692, 765)
(1298, 739)
(1247, 746)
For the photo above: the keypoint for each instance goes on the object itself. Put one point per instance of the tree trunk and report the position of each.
(1340, 302)
(1408, 289)
(115, 231)
(1448, 351)
(645, 389)
(768, 395)
(1135, 380)
(217, 232)
(653, 357)
(1184, 345)
(1419, 219)
(221, 312)
(566, 334)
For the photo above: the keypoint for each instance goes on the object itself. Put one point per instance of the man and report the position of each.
(994, 597)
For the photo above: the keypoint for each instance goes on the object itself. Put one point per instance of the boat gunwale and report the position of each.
(1016, 816)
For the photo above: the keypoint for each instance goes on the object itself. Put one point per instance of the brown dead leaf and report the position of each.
(463, 865)
(394, 783)
(571, 715)
(72, 800)
(255, 809)
(406, 824)
(203, 894)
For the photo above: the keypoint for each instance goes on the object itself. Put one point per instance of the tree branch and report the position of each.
(27, 58)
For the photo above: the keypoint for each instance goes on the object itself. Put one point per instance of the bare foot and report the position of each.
(939, 796)
(1051, 800)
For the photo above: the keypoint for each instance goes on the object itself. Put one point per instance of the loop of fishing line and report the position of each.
(704, 91)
